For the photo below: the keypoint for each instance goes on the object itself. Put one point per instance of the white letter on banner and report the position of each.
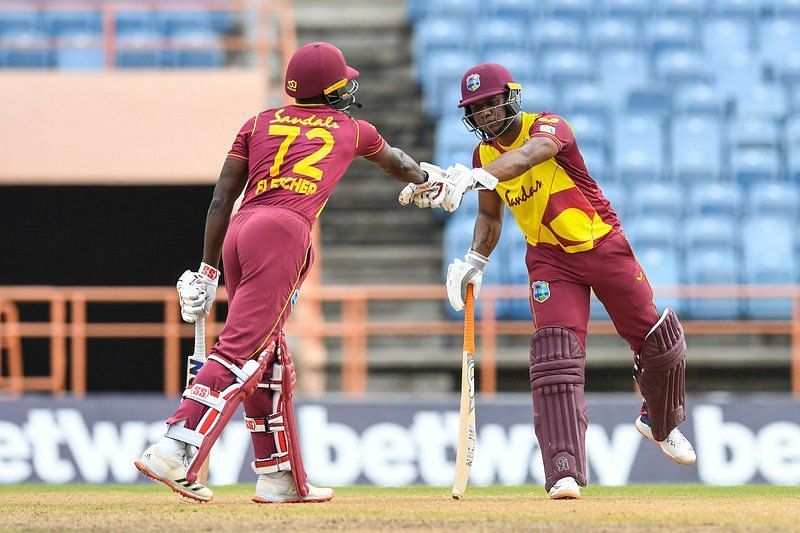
(388, 451)
(319, 438)
(612, 461)
(14, 454)
(229, 454)
(94, 451)
(502, 456)
(714, 438)
(779, 452)
(433, 432)
(45, 435)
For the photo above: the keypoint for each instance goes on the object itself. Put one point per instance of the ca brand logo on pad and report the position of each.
(541, 291)
(473, 82)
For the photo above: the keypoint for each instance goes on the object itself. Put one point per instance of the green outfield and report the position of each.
(151, 507)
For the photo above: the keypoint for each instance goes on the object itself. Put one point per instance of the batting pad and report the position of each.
(661, 373)
(559, 405)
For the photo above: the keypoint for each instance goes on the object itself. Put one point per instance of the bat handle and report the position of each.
(200, 337)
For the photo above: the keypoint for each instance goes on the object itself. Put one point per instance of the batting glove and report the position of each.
(460, 179)
(196, 292)
(427, 194)
(460, 274)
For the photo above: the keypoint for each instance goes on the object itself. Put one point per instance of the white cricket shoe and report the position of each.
(675, 446)
(278, 487)
(171, 471)
(565, 488)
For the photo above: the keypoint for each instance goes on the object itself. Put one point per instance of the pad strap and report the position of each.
(270, 424)
(241, 375)
(189, 436)
(279, 462)
(205, 395)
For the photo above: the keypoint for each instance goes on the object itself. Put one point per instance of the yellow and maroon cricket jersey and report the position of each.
(297, 154)
(556, 202)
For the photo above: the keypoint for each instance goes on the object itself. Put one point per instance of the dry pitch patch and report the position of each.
(654, 507)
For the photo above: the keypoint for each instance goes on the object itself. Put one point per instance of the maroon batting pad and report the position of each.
(559, 405)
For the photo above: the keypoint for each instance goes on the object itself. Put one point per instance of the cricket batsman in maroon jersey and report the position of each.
(575, 244)
(288, 160)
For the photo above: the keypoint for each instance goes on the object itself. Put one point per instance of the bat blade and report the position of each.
(467, 432)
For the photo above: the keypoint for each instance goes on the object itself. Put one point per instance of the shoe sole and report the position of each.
(566, 495)
(186, 496)
(258, 499)
(670, 457)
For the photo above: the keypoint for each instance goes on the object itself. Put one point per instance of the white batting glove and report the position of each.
(460, 179)
(196, 292)
(428, 194)
(460, 274)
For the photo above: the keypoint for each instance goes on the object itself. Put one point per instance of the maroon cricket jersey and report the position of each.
(297, 154)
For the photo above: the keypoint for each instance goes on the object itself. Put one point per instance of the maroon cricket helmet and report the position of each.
(485, 80)
(316, 69)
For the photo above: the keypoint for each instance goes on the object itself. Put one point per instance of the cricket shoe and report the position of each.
(565, 488)
(675, 446)
(278, 487)
(171, 471)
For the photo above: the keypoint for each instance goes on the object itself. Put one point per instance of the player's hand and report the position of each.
(196, 292)
(460, 274)
(460, 179)
(427, 194)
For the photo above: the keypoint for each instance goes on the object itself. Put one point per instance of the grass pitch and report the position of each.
(153, 507)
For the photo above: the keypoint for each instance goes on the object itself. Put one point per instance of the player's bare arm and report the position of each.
(489, 223)
(398, 165)
(515, 162)
(232, 180)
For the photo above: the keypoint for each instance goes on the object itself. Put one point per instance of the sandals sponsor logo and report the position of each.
(526, 193)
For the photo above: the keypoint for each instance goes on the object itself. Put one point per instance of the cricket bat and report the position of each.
(194, 364)
(467, 434)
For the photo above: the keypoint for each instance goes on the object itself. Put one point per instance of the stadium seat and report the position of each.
(787, 70)
(139, 50)
(769, 261)
(670, 33)
(774, 199)
(184, 22)
(755, 165)
(79, 52)
(778, 37)
(25, 50)
(712, 267)
(520, 9)
(554, 35)
(498, 33)
(596, 161)
(656, 199)
(736, 73)
(749, 9)
(449, 158)
(520, 63)
(586, 98)
(59, 23)
(537, 97)
(747, 133)
(615, 193)
(709, 233)
(686, 8)
(12, 22)
(637, 9)
(653, 231)
(793, 146)
(463, 9)
(196, 50)
(696, 148)
(621, 71)
(433, 36)
(650, 100)
(568, 67)
(786, 8)
(677, 67)
(512, 248)
(443, 71)
(449, 97)
(135, 22)
(612, 34)
(699, 99)
(662, 266)
(577, 9)
(722, 200)
(589, 131)
(763, 102)
(452, 135)
(638, 148)
(725, 36)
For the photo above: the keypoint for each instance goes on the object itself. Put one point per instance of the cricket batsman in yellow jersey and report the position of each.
(575, 244)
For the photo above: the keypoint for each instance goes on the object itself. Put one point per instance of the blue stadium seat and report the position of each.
(436, 35)
(725, 36)
(58, 23)
(755, 165)
(196, 50)
(763, 101)
(749, 9)
(670, 33)
(512, 248)
(778, 37)
(499, 33)
(135, 22)
(596, 161)
(787, 69)
(747, 132)
(577, 9)
(451, 157)
(656, 199)
(736, 73)
(521, 9)
(25, 50)
(443, 71)
(709, 233)
(774, 199)
(568, 67)
(687, 8)
(700, 99)
(662, 266)
(638, 151)
(638, 9)
(713, 267)
(677, 67)
(696, 148)
(538, 97)
(589, 130)
(653, 100)
(586, 98)
(520, 63)
(721, 200)
(615, 193)
(793, 146)
(653, 231)
(612, 34)
(449, 97)
(185, 22)
(769, 261)
(786, 8)
(621, 71)
(415, 9)
(451, 135)
(557, 34)
(464, 9)
(79, 52)
(139, 50)
(19, 22)
(222, 21)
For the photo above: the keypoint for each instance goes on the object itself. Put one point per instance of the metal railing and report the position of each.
(68, 325)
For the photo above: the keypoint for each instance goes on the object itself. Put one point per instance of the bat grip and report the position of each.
(469, 321)
(200, 337)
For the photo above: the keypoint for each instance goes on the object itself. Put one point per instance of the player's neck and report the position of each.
(508, 137)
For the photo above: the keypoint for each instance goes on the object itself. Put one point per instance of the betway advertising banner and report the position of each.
(396, 442)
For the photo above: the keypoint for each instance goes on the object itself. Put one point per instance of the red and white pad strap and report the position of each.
(205, 395)
(270, 424)
(279, 462)
(274, 383)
